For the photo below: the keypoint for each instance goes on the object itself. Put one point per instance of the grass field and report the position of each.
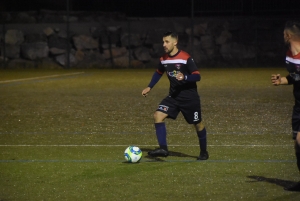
(63, 134)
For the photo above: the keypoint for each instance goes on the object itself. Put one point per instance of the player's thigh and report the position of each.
(168, 106)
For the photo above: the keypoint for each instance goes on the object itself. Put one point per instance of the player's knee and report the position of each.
(159, 116)
(200, 126)
(298, 138)
(155, 116)
(297, 143)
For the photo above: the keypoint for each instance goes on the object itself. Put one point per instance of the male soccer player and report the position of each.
(183, 95)
(292, 39)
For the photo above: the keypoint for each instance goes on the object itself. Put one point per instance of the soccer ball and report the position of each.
(133, 154)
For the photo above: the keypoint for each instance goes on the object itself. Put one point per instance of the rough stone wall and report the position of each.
(114, 41)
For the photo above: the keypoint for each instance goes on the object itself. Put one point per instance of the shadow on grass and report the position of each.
(160, 159)
(279, 182)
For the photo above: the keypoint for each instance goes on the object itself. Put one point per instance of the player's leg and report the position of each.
(192, 114)
(161, 135)
(160, 129)
(201, 133)
(296, 137)
(297, 150)
(296, 187)
(165, 109)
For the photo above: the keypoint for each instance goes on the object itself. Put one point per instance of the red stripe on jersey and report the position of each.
(290, 54)
(196, 72)
(181, 55)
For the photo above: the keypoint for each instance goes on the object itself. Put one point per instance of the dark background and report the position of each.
(163, 8)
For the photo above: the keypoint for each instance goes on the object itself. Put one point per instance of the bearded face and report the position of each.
(169, 44)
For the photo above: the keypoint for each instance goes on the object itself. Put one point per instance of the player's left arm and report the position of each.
(194, 76)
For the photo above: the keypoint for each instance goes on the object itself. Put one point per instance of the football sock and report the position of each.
(297, 149)
(202, 139)
(298, 160)
(161, 134)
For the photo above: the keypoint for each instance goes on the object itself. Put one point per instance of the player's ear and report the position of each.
(288, 34)
(175, 42)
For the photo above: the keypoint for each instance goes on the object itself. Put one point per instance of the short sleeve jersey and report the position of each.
(172, 65)
(293, 67)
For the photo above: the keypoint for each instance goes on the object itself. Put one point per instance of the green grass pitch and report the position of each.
(63, 134)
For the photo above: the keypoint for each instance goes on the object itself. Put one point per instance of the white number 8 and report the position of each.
(196, 115)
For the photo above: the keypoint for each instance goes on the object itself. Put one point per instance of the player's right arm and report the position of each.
(155, 78)
(278, 80)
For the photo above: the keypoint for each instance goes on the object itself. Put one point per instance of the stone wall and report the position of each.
(114, 41)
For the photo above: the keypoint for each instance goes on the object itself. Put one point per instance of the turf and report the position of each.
(63, 134)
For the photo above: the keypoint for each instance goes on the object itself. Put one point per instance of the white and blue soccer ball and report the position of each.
(133, 154)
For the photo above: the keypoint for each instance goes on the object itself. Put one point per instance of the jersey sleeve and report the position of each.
(191, 65)
(157, 75)
(160, 69)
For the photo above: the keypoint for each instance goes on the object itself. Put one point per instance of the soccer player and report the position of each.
(292, 39)
(183, 95)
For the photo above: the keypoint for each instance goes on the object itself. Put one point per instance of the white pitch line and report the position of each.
(36, 78)
(119, 145)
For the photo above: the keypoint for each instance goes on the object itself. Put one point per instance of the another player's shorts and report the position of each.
(190, 109)
(296, 121)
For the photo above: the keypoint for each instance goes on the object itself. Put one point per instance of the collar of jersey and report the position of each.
(175, 54)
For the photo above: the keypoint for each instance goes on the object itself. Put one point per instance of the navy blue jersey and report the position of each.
(172, 65)
(293, 67)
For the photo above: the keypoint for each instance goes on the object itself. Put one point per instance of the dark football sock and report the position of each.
(161, 134)
(202, 139)
(297, 149)
(298, 160)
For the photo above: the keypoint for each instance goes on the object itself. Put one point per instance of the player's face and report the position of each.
(169, 44)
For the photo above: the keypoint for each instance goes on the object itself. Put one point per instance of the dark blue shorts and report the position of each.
(190, 109)
(296, 121)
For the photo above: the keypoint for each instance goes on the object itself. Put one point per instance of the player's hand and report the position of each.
(180, 76)
(276, 79)
(146, 91)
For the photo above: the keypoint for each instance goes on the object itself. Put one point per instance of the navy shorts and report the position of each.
(190, 109)
(296, 121)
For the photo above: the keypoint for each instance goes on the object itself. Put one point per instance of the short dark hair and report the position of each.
(172, 34)
(293, 26)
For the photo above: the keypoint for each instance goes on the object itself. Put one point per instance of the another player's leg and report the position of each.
(161, 134)
(201, 133)
(296, 187)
